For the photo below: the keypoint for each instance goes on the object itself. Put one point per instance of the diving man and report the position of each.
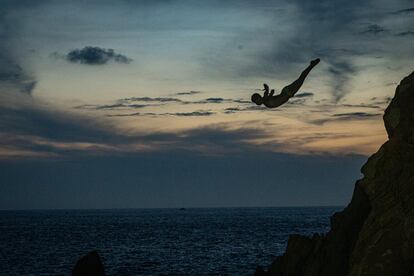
(271, 101)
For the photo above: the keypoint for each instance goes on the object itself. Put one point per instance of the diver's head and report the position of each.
(257, 98)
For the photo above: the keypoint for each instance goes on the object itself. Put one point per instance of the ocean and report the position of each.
(210, 241)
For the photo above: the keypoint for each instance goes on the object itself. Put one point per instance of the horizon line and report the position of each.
(169, 208)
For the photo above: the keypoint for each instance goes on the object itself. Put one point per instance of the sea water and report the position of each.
(214, 241)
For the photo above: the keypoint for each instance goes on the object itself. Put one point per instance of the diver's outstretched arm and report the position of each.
(295, 86)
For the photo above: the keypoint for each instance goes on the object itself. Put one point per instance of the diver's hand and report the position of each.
(266, 87)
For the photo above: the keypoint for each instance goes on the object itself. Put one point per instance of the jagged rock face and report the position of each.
(374, 234)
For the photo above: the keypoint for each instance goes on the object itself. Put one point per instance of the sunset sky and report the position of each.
(164, 119)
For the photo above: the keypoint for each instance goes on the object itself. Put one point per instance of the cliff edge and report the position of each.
(374, 234)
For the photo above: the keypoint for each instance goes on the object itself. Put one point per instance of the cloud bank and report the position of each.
(14, 74)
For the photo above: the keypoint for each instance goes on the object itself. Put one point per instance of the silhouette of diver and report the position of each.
(287, 92)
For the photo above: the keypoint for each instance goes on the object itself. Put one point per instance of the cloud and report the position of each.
(38, 131)
(111, 106)
(342, 72)
(194, 113)
(316, 33)
(242, 101)
(31, 129)
(13, 68)
(329, 52)
(176, 100)
(407, 33)
(214, 100)
(362, 105)
(404, 11)
(211, 100)
(149, 99)
(381, 101)
(349, 116)
(95, 56)
(279, 48)
(200, 113)
(232, 110)
(128, 102)
(304, 95)
(128, 114)
(188, 93)
(356, 115)
(373, 29)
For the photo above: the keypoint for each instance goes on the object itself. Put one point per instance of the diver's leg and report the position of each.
(295, 86)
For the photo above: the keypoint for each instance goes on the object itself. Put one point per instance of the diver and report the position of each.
(271, 101)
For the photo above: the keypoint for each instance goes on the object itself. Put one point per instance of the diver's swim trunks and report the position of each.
(286, 92)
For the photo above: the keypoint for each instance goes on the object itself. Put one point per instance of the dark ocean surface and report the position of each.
(218, 241)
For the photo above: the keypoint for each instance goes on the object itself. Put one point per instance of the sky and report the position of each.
(146, 104)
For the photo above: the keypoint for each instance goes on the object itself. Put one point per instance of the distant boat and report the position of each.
(182, 209)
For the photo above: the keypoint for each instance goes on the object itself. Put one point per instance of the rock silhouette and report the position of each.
(89, 265)
(374, 234)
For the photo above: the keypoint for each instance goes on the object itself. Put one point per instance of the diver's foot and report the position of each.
(315, 61)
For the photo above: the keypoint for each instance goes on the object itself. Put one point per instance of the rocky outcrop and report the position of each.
(374, 234)
(89, 265)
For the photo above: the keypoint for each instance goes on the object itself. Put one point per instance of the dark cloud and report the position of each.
(349, 116)
(45, 134)
(211, 100)
(356, 115)
(404, 11)
(232, 110)
(188, 93)
(407, 33)
(326, 23)
(383, 101)
(194, 113)
(111, 106)
(167, 99)
(242, 101)
(181, 114)
(340, 68)
(373, 29)
(298, 101)
(95, 56)
(342, 72)
(37, 129)
(362, 105)
(127, 102)
(127, 114)
(34, 121)
(325, 29)
(149, 99)
(12, 75)
(329, 52)
(304, 95)
(13, 69)
(218, 101)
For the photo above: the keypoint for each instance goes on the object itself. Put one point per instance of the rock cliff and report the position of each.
(374, 234)
(89, 265)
